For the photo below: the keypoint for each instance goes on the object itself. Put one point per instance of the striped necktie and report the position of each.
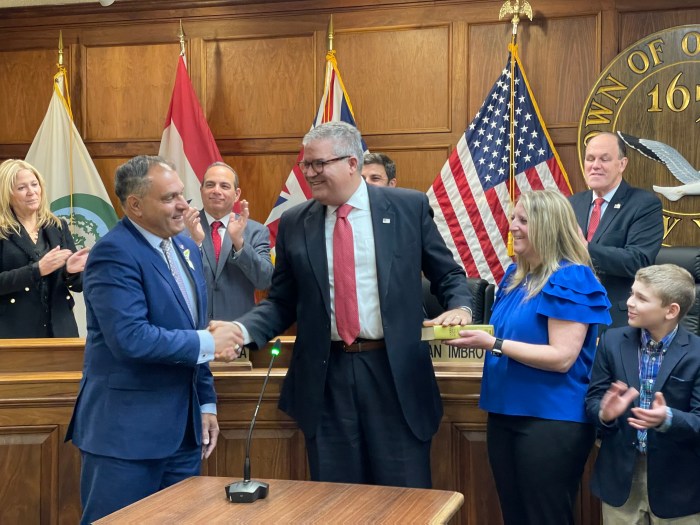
(167, 246)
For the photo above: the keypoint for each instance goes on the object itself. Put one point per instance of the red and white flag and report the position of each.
(187, 140)
(472, 195)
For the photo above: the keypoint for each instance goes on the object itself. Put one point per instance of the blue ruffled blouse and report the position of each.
(509, 387)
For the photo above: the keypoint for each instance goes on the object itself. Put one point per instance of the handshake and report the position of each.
(228, 340)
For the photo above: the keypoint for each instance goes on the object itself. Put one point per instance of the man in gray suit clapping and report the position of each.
(235, 249)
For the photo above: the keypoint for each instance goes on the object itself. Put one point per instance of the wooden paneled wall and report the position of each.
(416, 72)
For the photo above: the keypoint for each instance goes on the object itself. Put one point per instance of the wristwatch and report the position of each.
(497, 350)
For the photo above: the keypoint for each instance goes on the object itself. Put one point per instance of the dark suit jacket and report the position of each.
(406, 242)
(673, 457)
(20, 287)
(628, 238)
(140, 375)
(231, 283)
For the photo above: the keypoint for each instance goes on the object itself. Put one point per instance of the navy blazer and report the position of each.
(20, 287)
(673, 457)
(231, 283)
(628, 238)
(406, 243)
(140, 375)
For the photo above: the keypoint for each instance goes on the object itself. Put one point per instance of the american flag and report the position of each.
(335, 106)
(471, 196)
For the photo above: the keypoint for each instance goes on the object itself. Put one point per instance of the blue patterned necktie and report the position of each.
(167, 246)
(649, 364)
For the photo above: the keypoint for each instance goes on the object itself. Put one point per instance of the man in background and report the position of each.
(621, 225)
(379, 170)
(146, 409)
(235, 248)
(361, 383)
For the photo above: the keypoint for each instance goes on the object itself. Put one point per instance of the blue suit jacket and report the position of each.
(628, 238)
(140, 375)
(406, 242)
(673, 457)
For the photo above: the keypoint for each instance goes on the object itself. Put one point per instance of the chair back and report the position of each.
(687, 257)
(482, 300)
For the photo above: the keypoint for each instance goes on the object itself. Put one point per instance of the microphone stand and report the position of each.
(248, 491)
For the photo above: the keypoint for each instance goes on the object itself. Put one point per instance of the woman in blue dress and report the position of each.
(545, 319)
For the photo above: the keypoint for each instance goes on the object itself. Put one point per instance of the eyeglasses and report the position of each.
(318, 165)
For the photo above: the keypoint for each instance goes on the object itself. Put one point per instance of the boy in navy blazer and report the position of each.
(644, 398)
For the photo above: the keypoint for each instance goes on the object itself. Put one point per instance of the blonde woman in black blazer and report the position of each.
(39, 264)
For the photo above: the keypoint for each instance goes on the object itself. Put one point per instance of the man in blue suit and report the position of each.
(146, 409)
(348, 270)
(624, 230)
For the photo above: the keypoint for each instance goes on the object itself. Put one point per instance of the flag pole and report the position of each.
(65, 95)
(181, 36)
(328, 76)
(60, 49)
(513, 8)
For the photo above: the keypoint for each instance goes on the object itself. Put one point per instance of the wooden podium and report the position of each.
(202, 499)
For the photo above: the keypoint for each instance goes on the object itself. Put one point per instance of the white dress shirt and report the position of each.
(360, 219)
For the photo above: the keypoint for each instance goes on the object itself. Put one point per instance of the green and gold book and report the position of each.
(439, 332)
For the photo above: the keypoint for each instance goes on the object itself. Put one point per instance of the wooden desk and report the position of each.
(202, 499)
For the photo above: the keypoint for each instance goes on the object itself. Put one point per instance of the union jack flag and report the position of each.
(471, 197)
(335, 106)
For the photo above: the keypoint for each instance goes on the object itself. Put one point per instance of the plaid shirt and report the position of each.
(651, 355)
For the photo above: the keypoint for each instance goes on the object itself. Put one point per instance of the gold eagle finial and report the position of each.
(516, 8)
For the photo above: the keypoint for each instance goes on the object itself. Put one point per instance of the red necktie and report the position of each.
(347, 317)
(216, 238)
(594, 221)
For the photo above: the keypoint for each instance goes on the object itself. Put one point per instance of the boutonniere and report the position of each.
(186, 253)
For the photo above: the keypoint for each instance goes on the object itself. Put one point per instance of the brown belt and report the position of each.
(360, 345)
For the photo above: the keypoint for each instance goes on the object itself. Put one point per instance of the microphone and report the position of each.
(248, 491)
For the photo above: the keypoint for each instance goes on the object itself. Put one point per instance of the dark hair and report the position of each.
(384, 160)
(131, 178)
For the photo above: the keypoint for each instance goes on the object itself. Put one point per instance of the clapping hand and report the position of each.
(237, 224)
(76, 262)
(649, 417)
(616, 400)
(53, 260)
(194, 226)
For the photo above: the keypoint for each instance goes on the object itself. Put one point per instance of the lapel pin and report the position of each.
(617, 206)
(386, 221)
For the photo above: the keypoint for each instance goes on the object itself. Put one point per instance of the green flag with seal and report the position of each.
(74, 187)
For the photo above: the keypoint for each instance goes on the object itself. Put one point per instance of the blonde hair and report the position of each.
(8, 220)
(554, 236)
(671, 283)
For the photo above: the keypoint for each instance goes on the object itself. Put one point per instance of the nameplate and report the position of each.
(441, 352)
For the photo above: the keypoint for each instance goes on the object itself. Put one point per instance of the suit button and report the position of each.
(12, 301)
(68, 297)
(26, 288)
